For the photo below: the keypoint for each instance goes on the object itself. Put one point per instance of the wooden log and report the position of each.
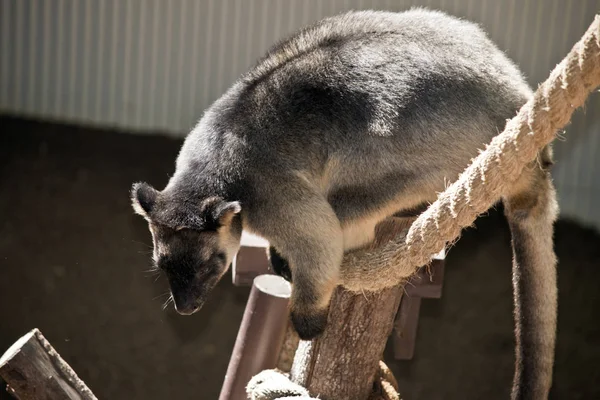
(261, 335)
(343, 362)
(35, 371)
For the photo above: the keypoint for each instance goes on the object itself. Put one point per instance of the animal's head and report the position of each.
(195, 241)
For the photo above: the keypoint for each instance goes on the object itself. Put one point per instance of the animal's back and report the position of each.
(376, 103)
(382, 74)
(367, 105)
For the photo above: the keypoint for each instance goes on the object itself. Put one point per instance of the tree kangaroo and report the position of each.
(345, 123)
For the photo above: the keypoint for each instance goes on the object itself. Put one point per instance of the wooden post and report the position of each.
(261, 335)
(342, 363)
(34, 370)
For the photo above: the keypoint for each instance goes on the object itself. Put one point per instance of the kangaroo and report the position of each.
(347, 122)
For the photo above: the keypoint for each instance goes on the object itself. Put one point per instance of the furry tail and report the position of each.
(531, 211)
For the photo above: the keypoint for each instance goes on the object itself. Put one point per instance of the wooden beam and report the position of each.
(428, 281)
(34, 370)
(251, 261)
(404, 338)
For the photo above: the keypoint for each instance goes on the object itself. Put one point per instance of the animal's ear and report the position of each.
(224, 212)
(143, 198)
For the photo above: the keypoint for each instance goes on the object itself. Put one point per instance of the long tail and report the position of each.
(531, 211)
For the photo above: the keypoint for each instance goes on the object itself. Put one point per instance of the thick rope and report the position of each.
(274, 385)
(483, 183)
(490, 175)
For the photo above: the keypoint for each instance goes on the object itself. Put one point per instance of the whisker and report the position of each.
(161, 295)
(152, 272)
(154, 275)
(167, 302)
(143, 244)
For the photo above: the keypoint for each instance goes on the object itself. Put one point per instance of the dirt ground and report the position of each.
(73, 258)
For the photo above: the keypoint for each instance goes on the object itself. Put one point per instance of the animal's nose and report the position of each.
(184, 306)
(186, 310)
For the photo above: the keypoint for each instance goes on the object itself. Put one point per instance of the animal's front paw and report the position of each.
(279, 265)
(309, 325)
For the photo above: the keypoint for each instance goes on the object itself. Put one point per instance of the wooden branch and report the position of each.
(34, 371)
(343, 362)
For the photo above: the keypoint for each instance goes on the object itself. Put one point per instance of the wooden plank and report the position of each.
(405, 328)
(428, 281)
(251, 261)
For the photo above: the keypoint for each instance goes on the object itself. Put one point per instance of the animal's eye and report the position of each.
(187, 229)
(221, 257)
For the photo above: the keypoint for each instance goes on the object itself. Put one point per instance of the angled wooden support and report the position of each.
(33, 370)
(426, 284)
(252, 261)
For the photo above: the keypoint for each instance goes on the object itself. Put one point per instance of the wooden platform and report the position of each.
(252, 261)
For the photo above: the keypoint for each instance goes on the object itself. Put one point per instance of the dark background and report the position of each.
(73, 258)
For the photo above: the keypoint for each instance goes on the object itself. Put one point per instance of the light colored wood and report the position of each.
(342, 363)
(251, 240)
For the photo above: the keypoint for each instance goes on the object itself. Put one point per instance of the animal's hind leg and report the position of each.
(531, 210)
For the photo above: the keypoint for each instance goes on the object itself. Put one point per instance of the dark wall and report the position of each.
(73, 256)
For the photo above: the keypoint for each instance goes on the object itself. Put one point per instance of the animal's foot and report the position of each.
(279, 265)
(310, 325)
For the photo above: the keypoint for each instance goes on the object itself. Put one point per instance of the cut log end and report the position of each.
(34, 370)
(16, 347)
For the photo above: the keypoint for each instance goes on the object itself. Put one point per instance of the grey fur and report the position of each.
(345, 123)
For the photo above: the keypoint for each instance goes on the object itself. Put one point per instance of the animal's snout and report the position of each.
(190, 283)
(186, 310)
(185, 305)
